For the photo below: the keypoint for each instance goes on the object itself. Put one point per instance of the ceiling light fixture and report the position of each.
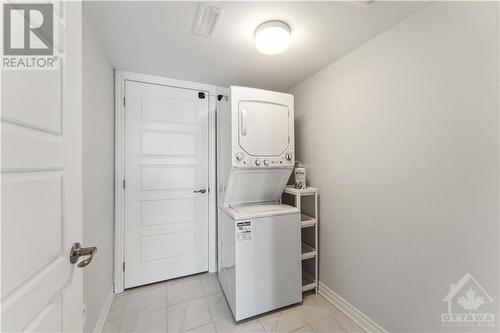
(272, 37)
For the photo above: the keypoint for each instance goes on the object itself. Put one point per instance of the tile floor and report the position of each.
(197, 304)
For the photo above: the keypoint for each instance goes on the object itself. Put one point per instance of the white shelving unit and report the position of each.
(306, 200)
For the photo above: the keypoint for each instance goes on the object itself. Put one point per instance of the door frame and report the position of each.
(120, 78)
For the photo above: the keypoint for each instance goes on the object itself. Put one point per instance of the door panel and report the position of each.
(166, 160)
(167, 211)
(263, 129)
(165, 246)
(168, 178)
(155, 107)
(42, 189)
(42, 110)
(168, 144)
(41, 192)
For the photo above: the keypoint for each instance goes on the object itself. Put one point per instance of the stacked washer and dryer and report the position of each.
(259, 265)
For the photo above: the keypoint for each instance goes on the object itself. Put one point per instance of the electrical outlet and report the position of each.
(84, 314)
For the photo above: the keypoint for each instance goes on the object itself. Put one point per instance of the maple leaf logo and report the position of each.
(470, 301)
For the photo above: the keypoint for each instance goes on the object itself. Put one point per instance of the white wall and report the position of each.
(401, 137)
(98, 173)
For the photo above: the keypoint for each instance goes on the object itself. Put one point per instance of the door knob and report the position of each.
(201, 190)
(78, 251)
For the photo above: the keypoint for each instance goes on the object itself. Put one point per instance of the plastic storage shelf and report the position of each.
(308, 251)
(309, 225)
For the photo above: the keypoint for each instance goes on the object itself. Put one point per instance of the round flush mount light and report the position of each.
(272, 37)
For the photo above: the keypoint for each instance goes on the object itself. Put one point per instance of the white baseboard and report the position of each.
(99, 325)
(350, 311)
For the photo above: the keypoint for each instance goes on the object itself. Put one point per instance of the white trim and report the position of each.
(350, 311)
(119, 176)
(211, 89)
(99, 325)
(212, 184)
(120, 78)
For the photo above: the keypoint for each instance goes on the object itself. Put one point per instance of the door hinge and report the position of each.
(123, 266)
(123, 101)
(124, 184)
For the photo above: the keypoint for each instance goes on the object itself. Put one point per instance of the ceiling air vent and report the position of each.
(207, 20)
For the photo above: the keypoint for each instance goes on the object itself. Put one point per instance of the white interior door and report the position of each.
(166, 162)
(263, 129)
(42, 189)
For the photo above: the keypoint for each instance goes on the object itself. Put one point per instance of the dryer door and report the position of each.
(263, 128)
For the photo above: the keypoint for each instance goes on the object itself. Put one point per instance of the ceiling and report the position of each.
(155, 38)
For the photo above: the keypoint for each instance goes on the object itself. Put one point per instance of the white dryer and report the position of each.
(260, 264)
(255, 134)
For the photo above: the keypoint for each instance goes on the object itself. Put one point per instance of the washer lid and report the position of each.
(251, 211)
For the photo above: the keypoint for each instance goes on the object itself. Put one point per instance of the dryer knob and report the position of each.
(289, 157)
(239, 156)
(266, 162)
(257, 162)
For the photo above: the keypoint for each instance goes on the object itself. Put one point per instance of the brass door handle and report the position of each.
(78, 251)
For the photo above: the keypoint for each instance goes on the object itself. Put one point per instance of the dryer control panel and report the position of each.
(241, 159)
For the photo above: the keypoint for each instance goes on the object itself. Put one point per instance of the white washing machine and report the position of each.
(259, 258)
(258, 238)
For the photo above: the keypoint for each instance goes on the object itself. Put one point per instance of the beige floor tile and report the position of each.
(150, 288)
(184, 291)
(118, 300)
(219, 309)
(116, 312)
(210, 284)
(188, 315)
(327, 325)
(314, 308)
(286, 320)
(347, 323)
(208, 328)
(185, 278)
(148, 322)
(111, 326)
(146, 300)
(197, 304)
(228, 325)
(305, 329)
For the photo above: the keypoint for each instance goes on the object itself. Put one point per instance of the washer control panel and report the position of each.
(244, 160)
